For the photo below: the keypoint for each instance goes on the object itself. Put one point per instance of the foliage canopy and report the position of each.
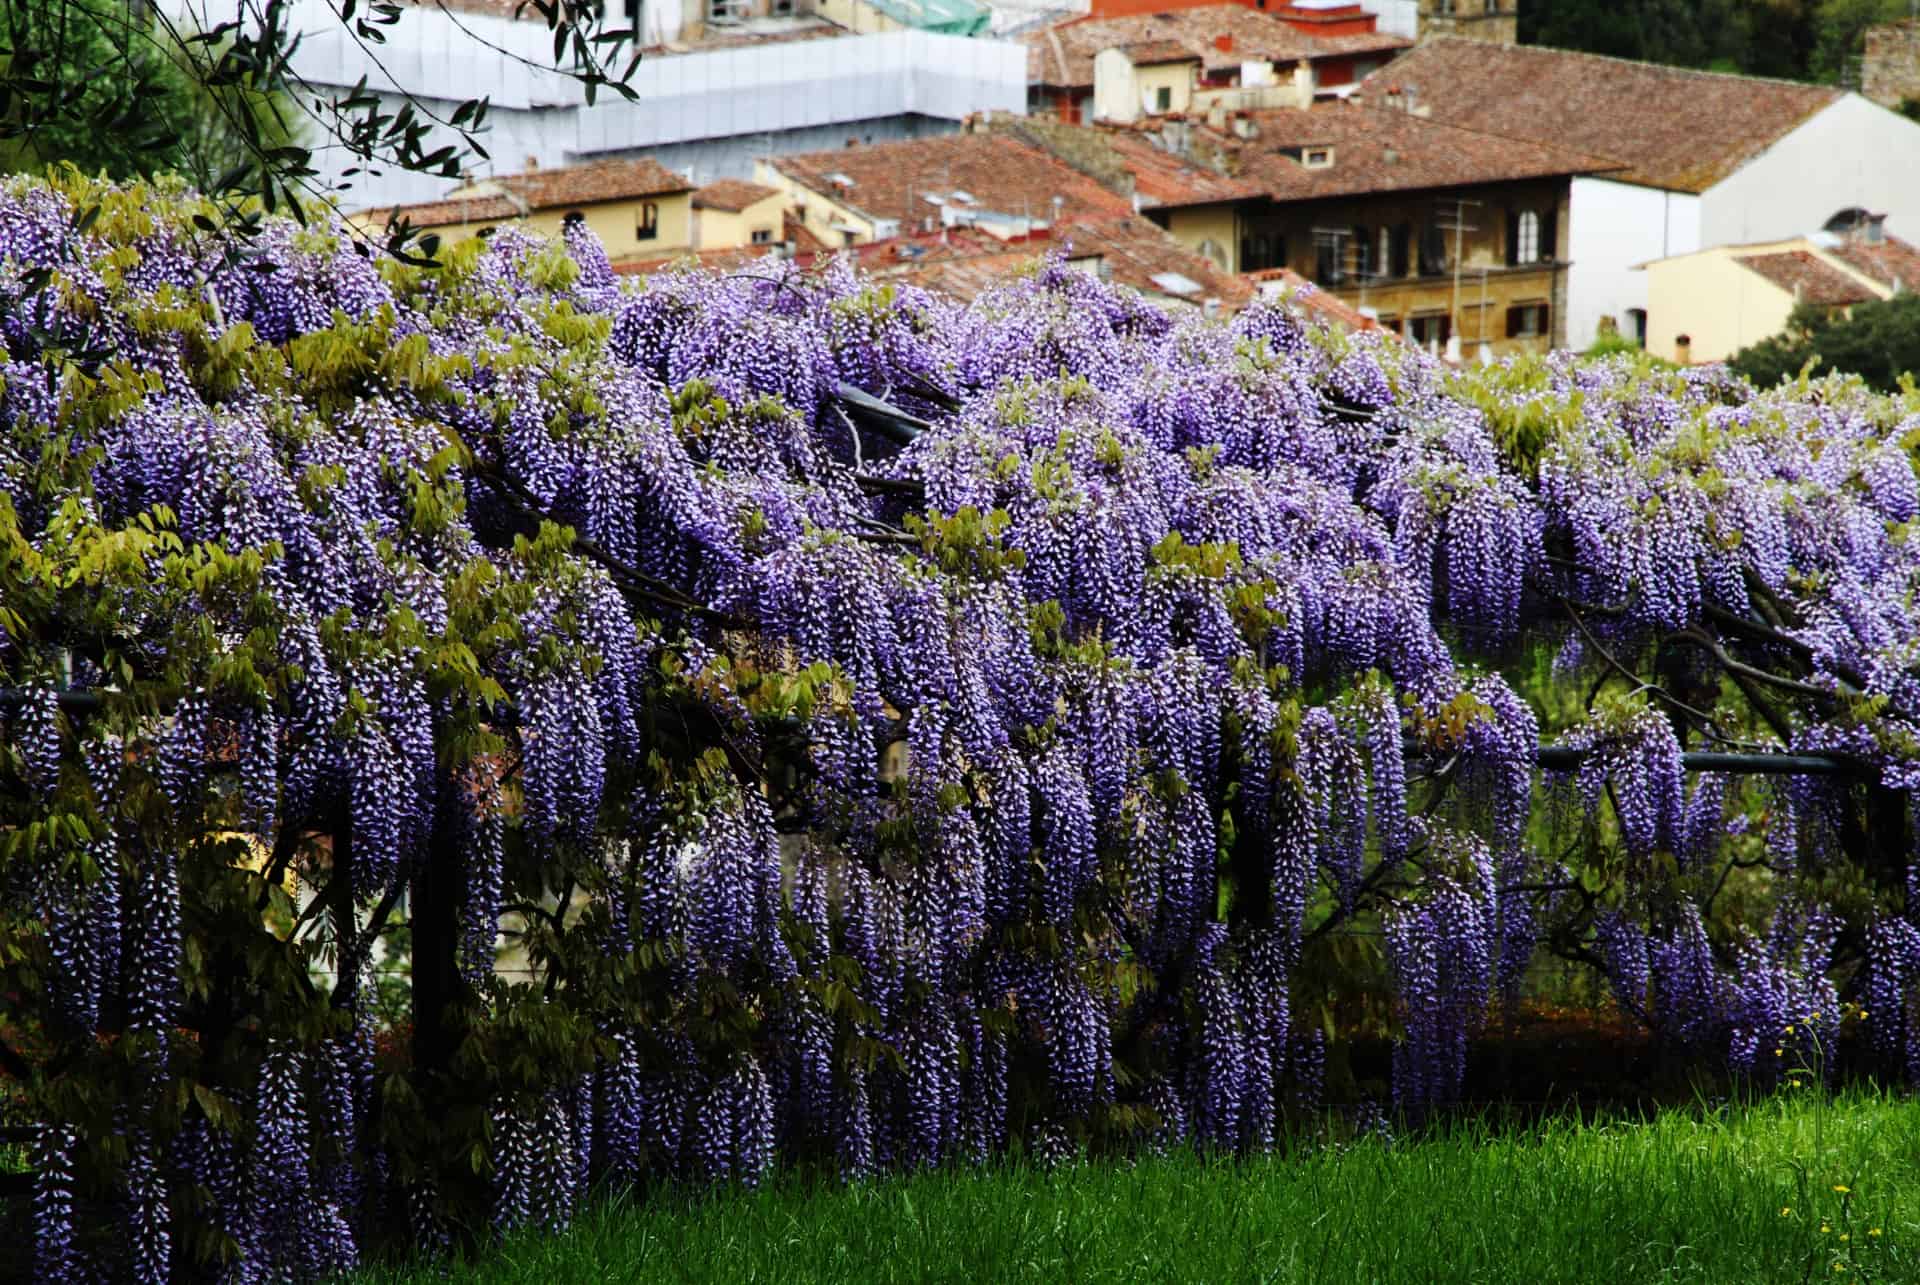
(780, 716)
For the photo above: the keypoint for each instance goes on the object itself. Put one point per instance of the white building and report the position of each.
(1705, 159)
(706, 105)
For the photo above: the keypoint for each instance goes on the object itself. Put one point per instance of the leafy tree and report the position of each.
(1840, 31)
(1879, 341)
(161, 118)
(121, 87)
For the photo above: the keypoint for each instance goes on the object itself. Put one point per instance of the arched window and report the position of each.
(1526, 248)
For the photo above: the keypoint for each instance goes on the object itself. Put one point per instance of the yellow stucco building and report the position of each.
(638, 208)
(733, 213)
(1708, 305)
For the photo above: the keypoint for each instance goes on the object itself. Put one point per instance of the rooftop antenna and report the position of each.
(1454, 219)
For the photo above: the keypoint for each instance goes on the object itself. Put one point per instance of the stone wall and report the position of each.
(1497, 21)
(1890, 69)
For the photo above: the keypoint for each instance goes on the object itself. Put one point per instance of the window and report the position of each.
(647, 227)
(763, 236)
(572, 217)
(1400, 257)
(1637, 319)
(1433, 250)
(1262, 250)
(1363, 264)
(1523, 232)
(1329, 259)
(1432, 330)
(1163, 99)
(1527, 321)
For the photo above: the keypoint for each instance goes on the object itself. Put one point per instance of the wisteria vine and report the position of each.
(746, 779)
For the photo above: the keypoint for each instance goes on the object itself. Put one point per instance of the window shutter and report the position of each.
(1513, 322)
(1546, 321)
(1547, 245)
(1402, 237)
(1513, 237)
(1362, 252)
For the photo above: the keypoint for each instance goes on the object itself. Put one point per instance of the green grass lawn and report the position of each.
(1784, 1191)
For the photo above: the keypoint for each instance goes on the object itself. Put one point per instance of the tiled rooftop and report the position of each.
(1807, 277)
(616, 180)
(1670, 127)
(435, 214)
(1892, 262)
(731, 194)
(1322, 305)
(893, 180)
(1133, 252)
(1155, 53)
(1375, 150)
(1063, 55)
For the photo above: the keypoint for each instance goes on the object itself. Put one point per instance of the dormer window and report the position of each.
(1317, 158)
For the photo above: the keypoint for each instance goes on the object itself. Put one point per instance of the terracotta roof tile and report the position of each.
(731, 194)
(1165, 179)
(1322, 305)
(1891, 262)
(1132, 252)
(1154, 53)
(614, 180)
(1062, 55)
(1670, 127)
(999, 173)
(1377, 150)
(1807, 277)
(452, 212)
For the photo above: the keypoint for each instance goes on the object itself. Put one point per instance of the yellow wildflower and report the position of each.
(1873, 1231)
(1841, 1188)
(1785, 1210)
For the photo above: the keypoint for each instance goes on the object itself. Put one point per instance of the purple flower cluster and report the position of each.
(875, 804)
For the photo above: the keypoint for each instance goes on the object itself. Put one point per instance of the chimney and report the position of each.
(533, 163)
(1224, 43)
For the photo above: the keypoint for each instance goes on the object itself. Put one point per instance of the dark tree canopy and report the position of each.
(1878, 340)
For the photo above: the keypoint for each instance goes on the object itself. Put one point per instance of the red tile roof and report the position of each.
(1165, 179)
(1807, 277)
(1670, 127)
(1891, 262)
(731, 194)
(614, 180)
(1322, 305)
(1376, 150)
(1154, 53)
(893, 180)
(447, 213)
(1130, 251)
(1062, 55)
